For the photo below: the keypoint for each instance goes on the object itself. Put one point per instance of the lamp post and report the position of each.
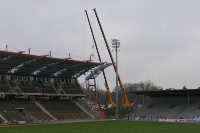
(116, 45)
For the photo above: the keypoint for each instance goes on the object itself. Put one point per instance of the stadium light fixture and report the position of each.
(116, 45)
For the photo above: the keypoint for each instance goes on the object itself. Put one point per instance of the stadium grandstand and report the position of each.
(40, 88)
(168, 105)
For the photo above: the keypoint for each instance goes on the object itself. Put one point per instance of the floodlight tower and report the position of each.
(116, 45)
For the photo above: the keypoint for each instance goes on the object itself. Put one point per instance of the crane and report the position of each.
(110, 101)
(125, 101)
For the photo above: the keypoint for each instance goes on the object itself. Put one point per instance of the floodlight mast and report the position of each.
(110, 101)
(116, 45)
(125, 101)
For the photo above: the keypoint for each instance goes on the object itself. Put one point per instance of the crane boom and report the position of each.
(110, 101)
(125, 101)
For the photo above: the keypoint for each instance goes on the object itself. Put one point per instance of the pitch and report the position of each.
(106, 127)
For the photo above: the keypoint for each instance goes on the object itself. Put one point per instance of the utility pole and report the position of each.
(116, 45)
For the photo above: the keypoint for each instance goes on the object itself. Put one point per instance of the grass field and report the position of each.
(106, 127)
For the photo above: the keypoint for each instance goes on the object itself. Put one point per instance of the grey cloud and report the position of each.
(159, 38)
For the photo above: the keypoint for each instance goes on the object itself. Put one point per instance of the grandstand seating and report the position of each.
(165, 110)
(9, 111)
(26, 79)
(40, 87)
(29, 107)
(66, 88)
(27, 87)
(71, 88)
(3, 86)
(45, 88)
(190, 111)
(169, 104)
(36, 112)
(13, 115)
(29, 111)
(149, 110)
(1, 120)
(174, 110)
(64, 110)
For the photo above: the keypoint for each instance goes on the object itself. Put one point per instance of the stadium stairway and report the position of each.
(87, 112)
(3, 118)
(55, 89)
(43, 109)
(15, 86)
(59, 88)
(29, 117)
(11, 89)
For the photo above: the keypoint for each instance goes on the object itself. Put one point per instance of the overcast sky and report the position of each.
(160, 39)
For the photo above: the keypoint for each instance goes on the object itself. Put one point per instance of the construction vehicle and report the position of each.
(110, 101)
(125, 101)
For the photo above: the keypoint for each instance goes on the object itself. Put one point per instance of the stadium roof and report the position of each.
(180, 92)
(42, 66)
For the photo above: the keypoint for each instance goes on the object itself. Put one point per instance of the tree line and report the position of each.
(129, 87)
